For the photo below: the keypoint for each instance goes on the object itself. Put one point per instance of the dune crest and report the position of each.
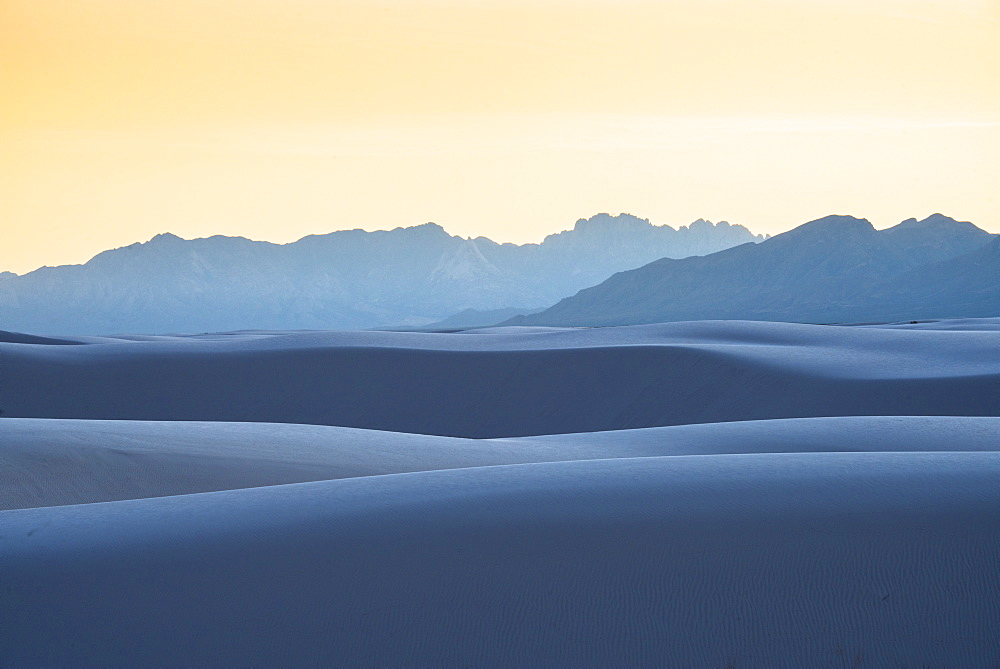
(516, 383)
(688, 494)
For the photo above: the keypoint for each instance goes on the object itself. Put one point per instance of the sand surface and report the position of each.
(499, 384)
(693, 494)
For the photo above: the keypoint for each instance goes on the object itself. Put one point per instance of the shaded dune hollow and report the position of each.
(704, 494)
(485, 385)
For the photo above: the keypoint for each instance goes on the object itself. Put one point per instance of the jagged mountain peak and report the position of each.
(341, 279)
(165, 238)
(429, 229)
(833, 269)
(605, 218)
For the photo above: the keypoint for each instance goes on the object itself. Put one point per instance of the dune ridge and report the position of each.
(55, 462)
(687, 560)
(485, 385)
(650, 496)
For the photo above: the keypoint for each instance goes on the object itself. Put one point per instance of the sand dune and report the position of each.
(790, 495)
(513, 384)
(962, 324)
(50, 462)
(832, 559)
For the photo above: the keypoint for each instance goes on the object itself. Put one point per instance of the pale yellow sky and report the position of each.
(273, 119)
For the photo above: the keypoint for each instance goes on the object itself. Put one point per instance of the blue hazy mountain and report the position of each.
(344, 279)
(834, 269)
(475, 318)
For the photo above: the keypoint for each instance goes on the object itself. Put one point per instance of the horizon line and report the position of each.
(765, 236)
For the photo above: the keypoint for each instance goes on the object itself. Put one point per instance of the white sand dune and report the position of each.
(50, 462)
(828, 559)
(963, 324)
(513, 384)
(790, 495)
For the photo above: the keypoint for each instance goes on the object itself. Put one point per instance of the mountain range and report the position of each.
(344, 279)
(836, 269)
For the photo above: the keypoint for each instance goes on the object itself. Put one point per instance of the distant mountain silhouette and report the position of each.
(834, 269)
(344, 279)
(475, 318)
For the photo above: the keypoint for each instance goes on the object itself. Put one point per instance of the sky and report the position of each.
(274, 119)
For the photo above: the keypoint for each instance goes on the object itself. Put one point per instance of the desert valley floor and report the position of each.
(710, 494)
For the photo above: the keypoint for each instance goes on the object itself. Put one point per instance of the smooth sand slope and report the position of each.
(864, 534)
(832, 559)
(518, 383)
(51, 462)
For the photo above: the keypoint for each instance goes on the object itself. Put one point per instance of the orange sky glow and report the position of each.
(273, 119)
